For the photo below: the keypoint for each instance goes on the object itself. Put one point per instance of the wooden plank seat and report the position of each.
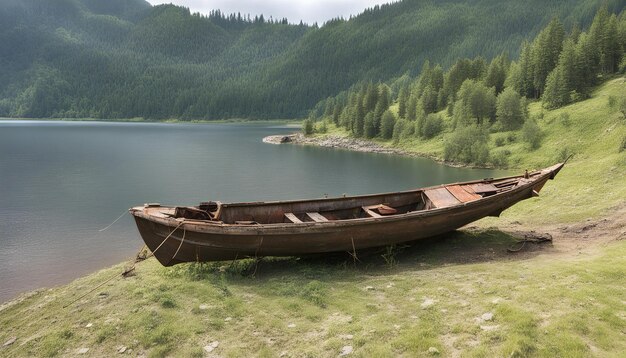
(441, 197)
(483, 188)
(317, 217)
(462, 194)
(293, 218)
(371, 212)
(379, 209)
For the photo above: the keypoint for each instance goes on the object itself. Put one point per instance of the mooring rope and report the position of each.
(136, 260)
(111, 224)
(181, 243)
(168, 236)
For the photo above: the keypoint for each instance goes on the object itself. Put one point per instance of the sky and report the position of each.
(309, 11)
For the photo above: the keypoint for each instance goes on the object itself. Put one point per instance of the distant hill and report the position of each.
(125, 58)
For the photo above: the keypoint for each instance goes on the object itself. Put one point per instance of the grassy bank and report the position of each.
(462, 294)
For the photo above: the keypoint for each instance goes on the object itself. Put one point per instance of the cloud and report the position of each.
(309, 11)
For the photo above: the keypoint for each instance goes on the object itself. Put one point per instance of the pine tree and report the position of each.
(369, 129)
(387, 124)
(412, 107)
(403, 98)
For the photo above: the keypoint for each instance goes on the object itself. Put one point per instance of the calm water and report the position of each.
(62, 181)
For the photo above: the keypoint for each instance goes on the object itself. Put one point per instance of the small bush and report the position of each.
(323, 128)
(433, 125)
(500, 141)
(531, 134)
(308, 127)
(622, 147)
(468, 145)
(500, 159)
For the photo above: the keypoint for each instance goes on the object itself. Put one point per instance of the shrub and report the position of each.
(500, 159)
(323, 128)
(531, 134)
(307, 127)
(468, 145)
(622, 146)
(433, 125)
(500, 141)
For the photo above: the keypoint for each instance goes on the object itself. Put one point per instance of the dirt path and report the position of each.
(573, 239)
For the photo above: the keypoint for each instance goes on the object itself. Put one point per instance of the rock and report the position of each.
(427, 303)
(369, 288)
(487, 316)
(82, 350)
(433, 350)
(203, 307)
(227, 319)
(211, 346)
(346, 336)
(10, 341)
(121, 349)
(89, 325)
(291, 325)
(346, 350)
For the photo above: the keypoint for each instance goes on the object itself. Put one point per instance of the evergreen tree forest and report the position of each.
(474, 97)
(126, 58)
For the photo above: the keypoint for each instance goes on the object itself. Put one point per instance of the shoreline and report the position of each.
(358, 145)
(291, 122)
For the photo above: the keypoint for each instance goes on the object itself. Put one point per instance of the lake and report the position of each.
(60, 182)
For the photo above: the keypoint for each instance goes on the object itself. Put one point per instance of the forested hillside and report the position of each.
(474, 101)
(125, 58)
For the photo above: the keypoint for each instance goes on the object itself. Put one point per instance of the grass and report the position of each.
(572, 306)
(399, 301)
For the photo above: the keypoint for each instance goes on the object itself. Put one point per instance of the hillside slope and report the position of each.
(84, 58)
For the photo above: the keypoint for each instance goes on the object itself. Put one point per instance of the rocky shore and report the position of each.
(333, 141)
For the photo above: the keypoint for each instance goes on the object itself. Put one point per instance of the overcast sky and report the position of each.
(309, 11)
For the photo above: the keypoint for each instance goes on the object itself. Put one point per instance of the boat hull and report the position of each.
(175, 241)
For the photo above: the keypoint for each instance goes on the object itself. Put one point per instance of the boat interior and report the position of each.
(344, 208)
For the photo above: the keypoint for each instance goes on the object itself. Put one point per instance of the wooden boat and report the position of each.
(214, 231)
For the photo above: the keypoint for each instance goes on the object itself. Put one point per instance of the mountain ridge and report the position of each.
(121, 59)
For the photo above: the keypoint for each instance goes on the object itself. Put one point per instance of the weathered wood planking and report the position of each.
(441, 197)
(461, 194)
